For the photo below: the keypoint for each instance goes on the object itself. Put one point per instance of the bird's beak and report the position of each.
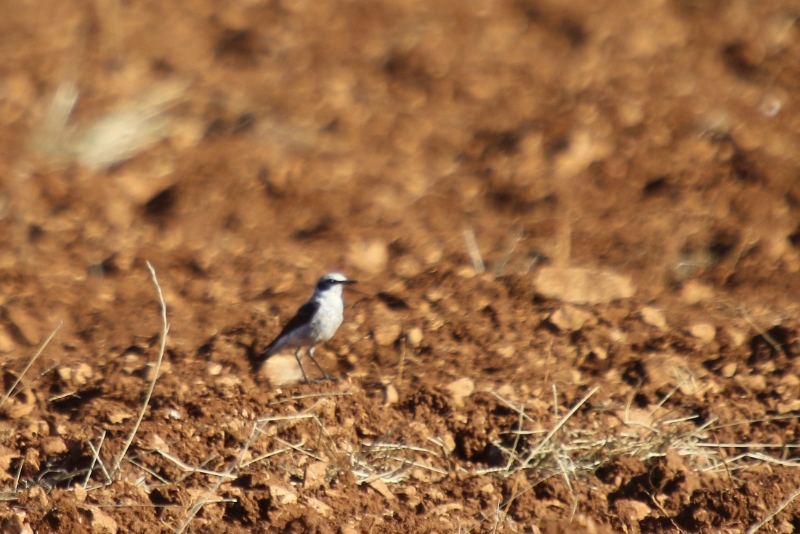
(349, 282)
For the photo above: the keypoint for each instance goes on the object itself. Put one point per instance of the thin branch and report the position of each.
(561, 423)
(30, 363)
(162, 348)
(786, 502)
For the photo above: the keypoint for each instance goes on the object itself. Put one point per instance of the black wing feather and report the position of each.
(301, 318)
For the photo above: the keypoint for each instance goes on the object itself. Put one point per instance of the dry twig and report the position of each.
(161, 349)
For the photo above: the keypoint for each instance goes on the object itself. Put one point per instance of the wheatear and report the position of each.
(315, 322)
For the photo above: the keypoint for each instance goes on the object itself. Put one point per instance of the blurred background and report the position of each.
(246, 147)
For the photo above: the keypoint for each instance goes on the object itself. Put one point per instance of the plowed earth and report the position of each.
(576, 227)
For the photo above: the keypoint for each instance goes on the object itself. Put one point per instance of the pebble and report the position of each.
(282, 496)
(569, 318)
(729, 369)
(705, 332)
(369, 256)
(414, 337)
(390, 395)
(315, 475)
(694, 292)
(282, 369)
(53, 446)
(583, 286)
(654, 317)
(461, 388)
(102, 523)
(386, 333)
(25, 324)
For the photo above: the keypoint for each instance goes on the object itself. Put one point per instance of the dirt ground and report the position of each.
(575, 227)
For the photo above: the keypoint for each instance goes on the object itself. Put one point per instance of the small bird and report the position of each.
(315, 322)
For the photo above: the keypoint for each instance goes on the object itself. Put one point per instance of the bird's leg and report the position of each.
(297, 356)
(325, 375)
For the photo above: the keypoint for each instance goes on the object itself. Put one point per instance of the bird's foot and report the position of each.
(326, 378)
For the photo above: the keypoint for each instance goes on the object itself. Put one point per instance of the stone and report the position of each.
(369, 256)
(390, 395)
(583, 286)
(654, 317)
(414, 337)
(705, 332)
(459, 389)
(53, 446)
(320, 507)
(632, 509)
(694, 292)
(25, 326)
(214, 368)
(386, 333)
(282, 496)
(315, 475)
(102, 523)
(282, 369)
(729, 369)
(569, 318)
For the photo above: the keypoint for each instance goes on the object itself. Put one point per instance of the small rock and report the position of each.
(80, 492)
(386, 333)
(81, 374)
(25, 327)
(282, 369)
(583, 286)
(506, 391)
(390, 395)
(102, 523)
(449, 442)
(157, 443)
(349, 528)
(414, 337)
(694, 292)
(38, 495)
(488, 489)
(632, 510)
(755, 383)
(380, 486)
(369, 256)
(569, 318)
(791, 406)
(282, 496)
(214, 368)
(53, 446)
(459, 389)
(320, 507)
(15, 524)
(507, 352)
(705, 332)
(791, 380)
(601, 353)
(118, 417)
(654, 317)
(6, 342)
(21, 405)
(315, 475)
(737, 336)
(729, 369)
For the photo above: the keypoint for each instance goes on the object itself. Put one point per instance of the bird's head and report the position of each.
(335, 281)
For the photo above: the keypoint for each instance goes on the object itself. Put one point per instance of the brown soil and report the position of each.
(652, 142)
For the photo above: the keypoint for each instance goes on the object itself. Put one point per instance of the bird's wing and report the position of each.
(301, 318)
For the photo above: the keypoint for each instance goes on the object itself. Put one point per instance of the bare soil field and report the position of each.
(575, 227)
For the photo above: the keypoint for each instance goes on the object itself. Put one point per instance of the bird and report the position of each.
(315, 322)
